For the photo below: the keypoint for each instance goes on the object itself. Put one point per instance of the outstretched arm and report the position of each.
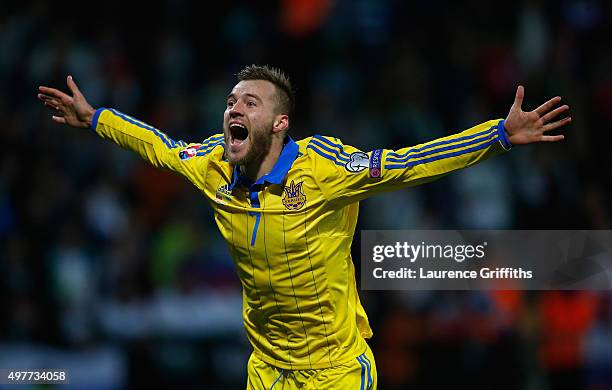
(150, 143)
(529, 127)
(352, 175)
(69, 110)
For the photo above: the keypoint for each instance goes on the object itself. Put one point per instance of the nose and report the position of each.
(236, 110)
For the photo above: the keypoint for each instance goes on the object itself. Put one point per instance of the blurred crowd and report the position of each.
(116, 269)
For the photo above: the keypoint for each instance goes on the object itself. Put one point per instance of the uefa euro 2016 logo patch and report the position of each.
(294, 197)
(189, 152)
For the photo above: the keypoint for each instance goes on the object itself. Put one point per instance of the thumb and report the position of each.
(72, 85)
(518, 98)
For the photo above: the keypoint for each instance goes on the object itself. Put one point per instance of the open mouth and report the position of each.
(238, 133)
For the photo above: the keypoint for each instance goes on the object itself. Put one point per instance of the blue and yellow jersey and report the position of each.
(290, 232)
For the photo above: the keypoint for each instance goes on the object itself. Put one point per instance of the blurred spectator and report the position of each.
(566, 318)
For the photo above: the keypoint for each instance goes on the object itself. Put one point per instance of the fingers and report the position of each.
(56, 93)
(554, 113)
(518, 98)
(557, 124)
(50, 102)
(72, 85)
(53, 92)
(544, 108)
(552, 138)
(51, 106)
(59, 119)
(47, 99)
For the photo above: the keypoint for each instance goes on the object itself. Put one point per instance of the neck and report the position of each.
(256, 170)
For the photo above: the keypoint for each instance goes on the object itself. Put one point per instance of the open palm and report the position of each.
(529, 127)
(69, 110)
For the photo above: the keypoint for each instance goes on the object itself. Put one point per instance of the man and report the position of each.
(288, 212)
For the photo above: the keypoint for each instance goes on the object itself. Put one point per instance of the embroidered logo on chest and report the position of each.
(294, 197)
(224, 193)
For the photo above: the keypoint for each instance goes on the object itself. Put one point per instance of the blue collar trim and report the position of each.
(278, 172)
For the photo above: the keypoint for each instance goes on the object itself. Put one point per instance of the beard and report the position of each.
(260, 141)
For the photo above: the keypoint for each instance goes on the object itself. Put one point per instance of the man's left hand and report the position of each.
(529, 127)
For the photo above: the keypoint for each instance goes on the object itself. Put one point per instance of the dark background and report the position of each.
(116, 271)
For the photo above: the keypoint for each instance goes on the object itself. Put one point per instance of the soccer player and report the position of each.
(288, 210)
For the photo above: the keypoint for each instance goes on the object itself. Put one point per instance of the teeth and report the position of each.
(243, 132)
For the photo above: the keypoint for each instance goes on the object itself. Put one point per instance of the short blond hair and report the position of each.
(284, 92)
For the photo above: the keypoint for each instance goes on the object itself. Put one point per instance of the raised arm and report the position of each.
(352, 175)
(150, 143)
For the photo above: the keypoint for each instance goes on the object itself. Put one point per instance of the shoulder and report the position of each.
(208, 146)
(213, 149)
(327, 148)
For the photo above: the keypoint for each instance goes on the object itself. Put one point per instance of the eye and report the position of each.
(230, 103)
(251, 103)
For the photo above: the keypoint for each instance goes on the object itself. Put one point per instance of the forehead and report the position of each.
(262, 88)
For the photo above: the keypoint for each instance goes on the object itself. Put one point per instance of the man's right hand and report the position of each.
(69, 110)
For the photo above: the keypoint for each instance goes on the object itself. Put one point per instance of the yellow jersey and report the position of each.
(290, 231)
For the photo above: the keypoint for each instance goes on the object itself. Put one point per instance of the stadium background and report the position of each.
(116, 270)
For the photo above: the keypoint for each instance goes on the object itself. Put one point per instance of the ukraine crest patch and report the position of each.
(294, 197)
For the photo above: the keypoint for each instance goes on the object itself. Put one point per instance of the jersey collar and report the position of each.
(278, 172)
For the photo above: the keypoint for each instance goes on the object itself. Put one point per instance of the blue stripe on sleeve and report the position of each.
(467, 137)
(333, 144)
(487, 137)
(329, 150)
(169, 142)
(323, 154)
(442, 156)
(210, 148)
(208, 141)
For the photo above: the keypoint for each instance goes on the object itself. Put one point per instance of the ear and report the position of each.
(281, 123)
